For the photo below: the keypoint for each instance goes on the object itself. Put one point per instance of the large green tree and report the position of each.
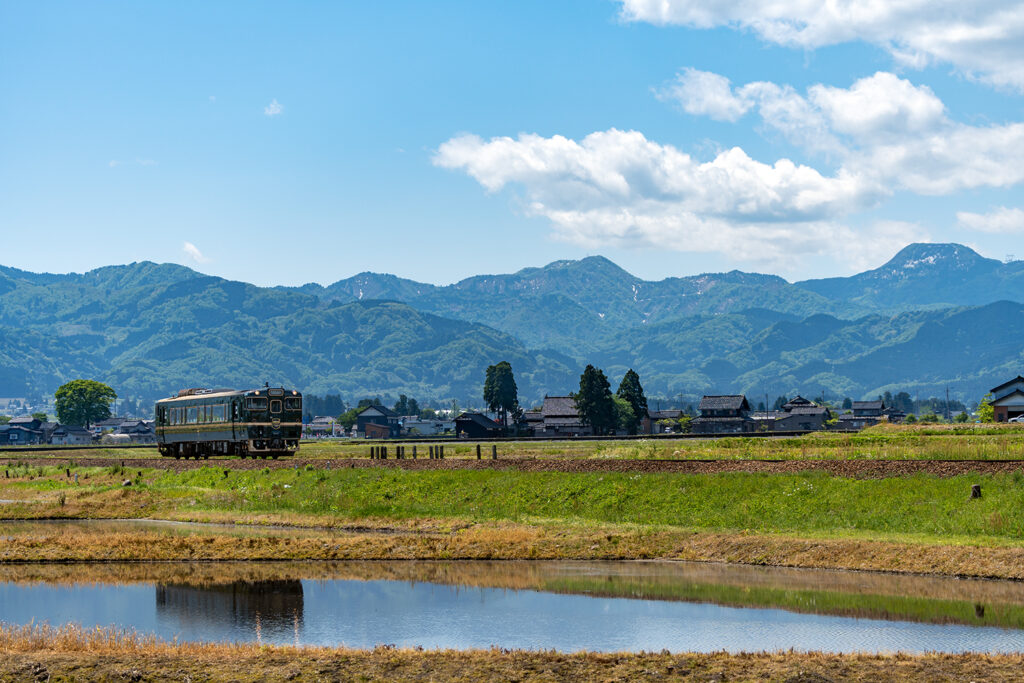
(83, 401)
(500, 391)
(632, 392)
(594, 401)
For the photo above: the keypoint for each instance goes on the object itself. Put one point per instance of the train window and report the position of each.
(275, 406)
(192, 415)
(293, 404)
(209, 414)
(257, 403)
(218, 413)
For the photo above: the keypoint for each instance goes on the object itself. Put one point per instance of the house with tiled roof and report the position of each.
(725, 414)
(561, 417)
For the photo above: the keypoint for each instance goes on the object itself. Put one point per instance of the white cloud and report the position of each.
(274, 108)
(888, 132)
(703, 93)
(1001, 220)
(981, 38)
(884, 134)
(192, 251)
(618, 187)
(879, 105)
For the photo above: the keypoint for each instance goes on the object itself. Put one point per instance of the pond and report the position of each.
(568, 606)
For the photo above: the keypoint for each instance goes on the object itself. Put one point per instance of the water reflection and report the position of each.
(563, 605)
(271, 609)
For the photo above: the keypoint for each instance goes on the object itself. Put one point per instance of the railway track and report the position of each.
(861, 469)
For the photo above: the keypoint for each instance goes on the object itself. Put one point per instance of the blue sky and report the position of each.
(282, 144)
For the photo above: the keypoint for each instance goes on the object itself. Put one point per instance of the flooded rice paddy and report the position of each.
(568, 606)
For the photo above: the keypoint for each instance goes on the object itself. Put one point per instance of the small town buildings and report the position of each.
(477, 426)
(70, 435)
(533, 422)
(322, 426)
(1008, 399)
(19, 435)
(724, 415)
(865, 414)
(562, 418)
(137, 431)
(377, 422)
(424, 427)
(658, 421)
(111, 424)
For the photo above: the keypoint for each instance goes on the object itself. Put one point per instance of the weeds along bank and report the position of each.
(45, 653)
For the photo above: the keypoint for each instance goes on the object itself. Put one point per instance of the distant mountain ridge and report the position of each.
(935, 314)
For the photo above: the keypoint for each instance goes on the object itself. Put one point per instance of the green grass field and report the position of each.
(803, 503)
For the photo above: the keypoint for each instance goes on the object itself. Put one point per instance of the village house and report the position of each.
(867, 414)
(70, 435)
(137, 431)
(658, 421)
(477, 426)
(1008, 399)
(377, 422)
(560, 417)
(724, 415)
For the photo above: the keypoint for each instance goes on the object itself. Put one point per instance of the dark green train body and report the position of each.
(259, 423)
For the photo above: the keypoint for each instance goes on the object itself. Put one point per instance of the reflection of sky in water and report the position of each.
(367, 613)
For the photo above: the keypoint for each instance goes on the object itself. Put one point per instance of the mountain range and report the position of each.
(934, 315)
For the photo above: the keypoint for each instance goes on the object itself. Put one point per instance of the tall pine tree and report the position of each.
(500, 392)
(594, 401)
(633, 393)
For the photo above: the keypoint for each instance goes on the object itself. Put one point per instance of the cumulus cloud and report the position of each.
(619, 187)
(884, 129)
(274, 108)
(982, 38)
(882, 135)
(703, 93)
(192, 251)
(1002, 220)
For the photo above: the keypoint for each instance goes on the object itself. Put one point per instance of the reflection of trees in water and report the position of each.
(276, 605)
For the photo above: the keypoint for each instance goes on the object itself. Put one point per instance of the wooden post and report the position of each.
(976, 491)
(478, 451)
(494, 451)
(441, 452)
(414, 451)
(430, 452)
(383, 452)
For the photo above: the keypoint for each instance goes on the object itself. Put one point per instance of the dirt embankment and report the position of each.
(860, 469)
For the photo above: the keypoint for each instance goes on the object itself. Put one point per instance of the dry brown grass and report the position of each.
(509, 541)
(40, 653)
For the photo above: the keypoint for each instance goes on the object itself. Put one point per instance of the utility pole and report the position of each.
(947, 404)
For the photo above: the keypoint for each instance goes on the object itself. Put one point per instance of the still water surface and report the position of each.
(568, 606)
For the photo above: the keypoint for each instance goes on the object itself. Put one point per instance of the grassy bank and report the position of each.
(43, 653)
(914, 524)
(807, 503)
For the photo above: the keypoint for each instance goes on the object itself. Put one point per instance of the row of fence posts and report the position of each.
(434, 452)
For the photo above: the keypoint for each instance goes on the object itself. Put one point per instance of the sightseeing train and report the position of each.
(259, 423)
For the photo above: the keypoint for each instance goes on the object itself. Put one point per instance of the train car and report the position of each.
(258, 423)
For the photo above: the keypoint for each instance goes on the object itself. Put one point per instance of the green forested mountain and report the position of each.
(150, 329)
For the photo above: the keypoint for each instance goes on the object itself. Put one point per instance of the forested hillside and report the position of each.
(150, 329)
